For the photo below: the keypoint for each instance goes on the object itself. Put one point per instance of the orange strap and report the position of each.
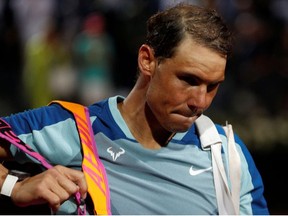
(92, 167)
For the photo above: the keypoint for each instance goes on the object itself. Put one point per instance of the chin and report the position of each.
(179, 128)
(179, 123)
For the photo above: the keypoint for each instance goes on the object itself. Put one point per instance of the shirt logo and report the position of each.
(115, 154)
(194, 172)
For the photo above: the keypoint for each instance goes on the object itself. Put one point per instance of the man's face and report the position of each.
(183, 86)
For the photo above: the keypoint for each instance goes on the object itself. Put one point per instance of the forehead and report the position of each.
(190, 46)
(190, 54)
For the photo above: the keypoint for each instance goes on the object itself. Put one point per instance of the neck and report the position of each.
(141, 122)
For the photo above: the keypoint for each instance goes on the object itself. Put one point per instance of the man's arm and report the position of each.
(3, 174)
(5, 150)
(53, 186)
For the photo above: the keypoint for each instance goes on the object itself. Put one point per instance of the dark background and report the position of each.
(253, 98)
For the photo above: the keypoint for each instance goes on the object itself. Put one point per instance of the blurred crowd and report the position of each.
(85, 50)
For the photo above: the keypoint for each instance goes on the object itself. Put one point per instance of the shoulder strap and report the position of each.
(234, 166)
(227, 199)
(93, 168)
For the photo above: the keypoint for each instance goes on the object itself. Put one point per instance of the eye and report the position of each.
(212, 87)
(190, 80)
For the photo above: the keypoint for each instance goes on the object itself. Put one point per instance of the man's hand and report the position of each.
(53, 186)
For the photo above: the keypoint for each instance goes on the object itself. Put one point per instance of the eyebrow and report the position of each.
(218, 82)
(198, 79)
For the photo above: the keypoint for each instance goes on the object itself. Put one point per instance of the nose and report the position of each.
(197, 97)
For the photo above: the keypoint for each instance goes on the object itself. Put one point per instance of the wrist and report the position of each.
(10, 181)
(3, 175)
(8, 185)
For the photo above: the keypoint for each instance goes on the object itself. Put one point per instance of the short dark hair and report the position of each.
(166, 29)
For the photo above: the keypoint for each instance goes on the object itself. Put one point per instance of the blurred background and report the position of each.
(85, 50)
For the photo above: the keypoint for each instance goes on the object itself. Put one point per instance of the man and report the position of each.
(151, 142)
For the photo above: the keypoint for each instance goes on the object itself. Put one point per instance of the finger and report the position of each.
(53, 192)
(67, 185)
(53, 200)
(76, 177)
(59, 185)
(82, 184)
(36, 190)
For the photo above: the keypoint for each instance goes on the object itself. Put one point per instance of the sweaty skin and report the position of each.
(171, 94)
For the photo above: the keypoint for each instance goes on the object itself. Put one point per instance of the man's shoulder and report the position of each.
(106, 107)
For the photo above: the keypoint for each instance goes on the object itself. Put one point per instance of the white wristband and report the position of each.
(8, 185)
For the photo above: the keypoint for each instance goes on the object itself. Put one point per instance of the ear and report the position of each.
(146, 60)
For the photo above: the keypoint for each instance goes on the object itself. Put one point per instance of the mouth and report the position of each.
(192, 113)
(182, 121)
(188, 118)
